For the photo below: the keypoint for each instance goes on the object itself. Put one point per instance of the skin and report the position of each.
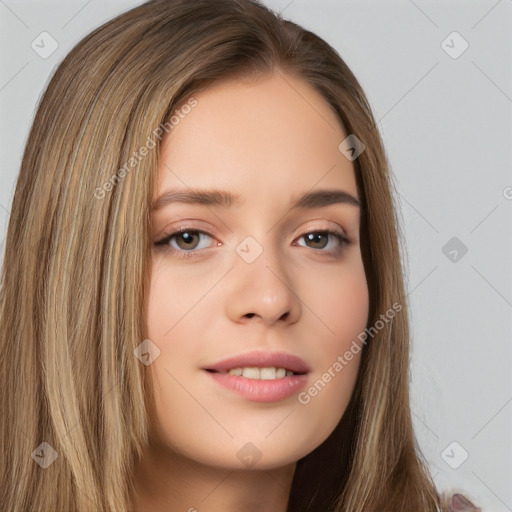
(269, 139)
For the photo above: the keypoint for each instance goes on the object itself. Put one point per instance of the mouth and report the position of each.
(261, 365)
(257, 373)
(258, 376)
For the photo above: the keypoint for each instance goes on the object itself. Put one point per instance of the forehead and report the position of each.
(257, 137)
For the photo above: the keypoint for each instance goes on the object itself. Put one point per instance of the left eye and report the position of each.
(321, 239)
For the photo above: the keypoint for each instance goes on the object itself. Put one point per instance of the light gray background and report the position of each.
(447, 125)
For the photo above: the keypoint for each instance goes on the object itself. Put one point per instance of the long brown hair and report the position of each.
(77, 255)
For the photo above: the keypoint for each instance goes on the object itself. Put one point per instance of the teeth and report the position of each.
(261, 373)
(251, 373)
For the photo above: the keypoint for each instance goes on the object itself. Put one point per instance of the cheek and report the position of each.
(176, 322)
(174, 293)
(172, 299)
(340, 299)
(170, 305)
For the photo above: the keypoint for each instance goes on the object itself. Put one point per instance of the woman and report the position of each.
(202, 301)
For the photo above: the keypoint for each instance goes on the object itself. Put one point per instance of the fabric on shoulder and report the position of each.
(459, 503)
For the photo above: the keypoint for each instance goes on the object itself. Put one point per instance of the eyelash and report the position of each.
(163, 243)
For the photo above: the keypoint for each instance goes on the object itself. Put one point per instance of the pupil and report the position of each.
(188, 238)
(314, 237)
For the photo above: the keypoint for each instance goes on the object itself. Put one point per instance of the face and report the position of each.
(255, 273)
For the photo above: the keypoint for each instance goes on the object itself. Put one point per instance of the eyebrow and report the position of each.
(223, 198)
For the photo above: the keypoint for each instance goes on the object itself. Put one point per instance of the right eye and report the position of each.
(185, 242)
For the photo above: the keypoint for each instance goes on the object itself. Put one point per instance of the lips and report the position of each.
(274, 386)
(261, 359)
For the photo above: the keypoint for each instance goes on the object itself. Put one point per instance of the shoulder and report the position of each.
(458, 503)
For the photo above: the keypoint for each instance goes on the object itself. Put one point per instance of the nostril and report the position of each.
(249, 315)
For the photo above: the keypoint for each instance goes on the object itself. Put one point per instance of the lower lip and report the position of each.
(258, 390)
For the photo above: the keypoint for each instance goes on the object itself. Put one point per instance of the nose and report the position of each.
(262, 291)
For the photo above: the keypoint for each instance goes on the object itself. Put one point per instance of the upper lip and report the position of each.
(261, 359)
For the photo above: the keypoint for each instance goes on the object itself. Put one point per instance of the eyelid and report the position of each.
(182, 225)
(338, 230)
